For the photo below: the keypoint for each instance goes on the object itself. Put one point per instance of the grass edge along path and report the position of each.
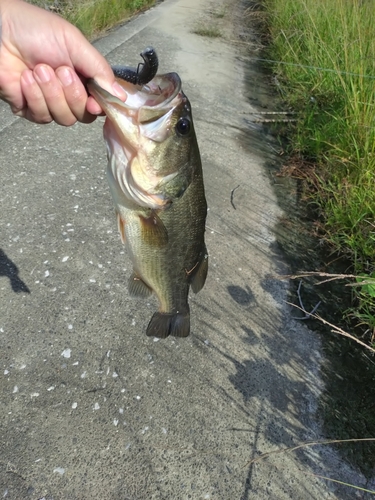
(326, 72)
(93, 17)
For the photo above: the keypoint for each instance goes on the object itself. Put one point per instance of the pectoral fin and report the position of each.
(198, 274)
(153, 230)
(121, 227)
(137, 287)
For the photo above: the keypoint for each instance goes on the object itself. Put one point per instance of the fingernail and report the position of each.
(28, 77)
(43, 73)
(119, 91)
(65, 76)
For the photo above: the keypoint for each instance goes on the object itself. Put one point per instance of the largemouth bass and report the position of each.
(156, 181)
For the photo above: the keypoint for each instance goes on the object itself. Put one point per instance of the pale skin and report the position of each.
(44, 62)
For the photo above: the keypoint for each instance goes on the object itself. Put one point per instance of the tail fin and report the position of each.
(164, 324)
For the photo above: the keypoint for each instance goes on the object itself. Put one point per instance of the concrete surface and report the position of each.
(90, 407)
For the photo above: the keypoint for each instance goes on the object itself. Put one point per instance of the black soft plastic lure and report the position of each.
(145, 71)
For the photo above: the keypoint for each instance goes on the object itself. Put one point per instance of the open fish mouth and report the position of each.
(157, 94)
(142, 103)
(133, 130)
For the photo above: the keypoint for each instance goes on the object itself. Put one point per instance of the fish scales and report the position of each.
(165, 268)
(156, 180)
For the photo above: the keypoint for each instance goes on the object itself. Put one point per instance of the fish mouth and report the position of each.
(157, 95)
(145, 113)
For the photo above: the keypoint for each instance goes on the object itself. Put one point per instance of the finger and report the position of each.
(91, 64)
(12, 94)
(75, 94)
(54, 95)
(35, 108)
(93, 107)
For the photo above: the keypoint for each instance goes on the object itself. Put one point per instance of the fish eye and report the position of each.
(183, 126)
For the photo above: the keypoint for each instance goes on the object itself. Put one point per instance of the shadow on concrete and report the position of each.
(9, 269)
(292, 419)
(242, 296)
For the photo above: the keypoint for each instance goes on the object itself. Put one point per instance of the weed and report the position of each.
(94, 16)
(207, 30)
(327, 71)
(283, 451)
(219, 14)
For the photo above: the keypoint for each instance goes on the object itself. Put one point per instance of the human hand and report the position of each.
(44, 62)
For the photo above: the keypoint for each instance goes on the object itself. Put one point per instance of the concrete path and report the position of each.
(90, 407)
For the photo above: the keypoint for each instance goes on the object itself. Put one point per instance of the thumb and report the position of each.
(89, 63)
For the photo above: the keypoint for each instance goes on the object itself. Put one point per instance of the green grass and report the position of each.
(95, 16)
(328, 73)
(219, 13)
(208, 30)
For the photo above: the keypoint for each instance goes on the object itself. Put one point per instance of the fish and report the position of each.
(156, 180)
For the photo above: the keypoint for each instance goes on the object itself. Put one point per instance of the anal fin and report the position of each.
(199, 273)
(137, 287)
